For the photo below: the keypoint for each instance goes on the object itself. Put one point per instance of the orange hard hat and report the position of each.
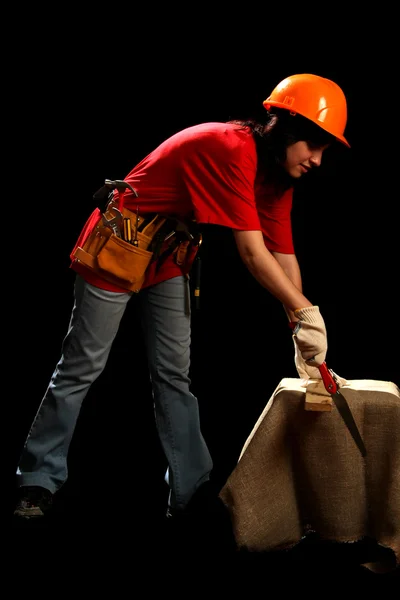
(316, 98)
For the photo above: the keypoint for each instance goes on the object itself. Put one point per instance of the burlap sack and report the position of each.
(300, 471)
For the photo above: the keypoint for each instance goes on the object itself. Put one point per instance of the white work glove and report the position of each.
(303, 369)
(306, 371)
(310, 335)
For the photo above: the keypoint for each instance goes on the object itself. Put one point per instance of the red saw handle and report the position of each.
(329, 382)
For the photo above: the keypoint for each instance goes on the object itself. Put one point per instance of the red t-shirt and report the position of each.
(206, 172)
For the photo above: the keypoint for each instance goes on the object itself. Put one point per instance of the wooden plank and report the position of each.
(317, 398)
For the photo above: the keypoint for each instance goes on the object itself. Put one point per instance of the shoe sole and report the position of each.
(29, 513)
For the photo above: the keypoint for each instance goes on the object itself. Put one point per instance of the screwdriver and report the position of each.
(127, 230)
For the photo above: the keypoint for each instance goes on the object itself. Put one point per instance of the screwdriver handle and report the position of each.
(127, 230)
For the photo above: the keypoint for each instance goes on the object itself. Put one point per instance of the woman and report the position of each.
(240, 175)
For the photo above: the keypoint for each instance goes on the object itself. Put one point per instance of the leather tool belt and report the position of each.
(120, 244)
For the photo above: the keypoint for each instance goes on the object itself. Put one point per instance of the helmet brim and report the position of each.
(268, 103)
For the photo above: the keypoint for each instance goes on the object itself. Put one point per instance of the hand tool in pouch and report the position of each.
(331, 385)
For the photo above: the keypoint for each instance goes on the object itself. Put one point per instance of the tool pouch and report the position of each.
(116, 260)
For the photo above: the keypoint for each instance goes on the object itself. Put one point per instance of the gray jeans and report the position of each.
(96, 315)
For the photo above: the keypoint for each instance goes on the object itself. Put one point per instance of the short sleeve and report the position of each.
(219, 178)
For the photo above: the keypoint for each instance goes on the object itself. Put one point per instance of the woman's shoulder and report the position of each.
(214, 135)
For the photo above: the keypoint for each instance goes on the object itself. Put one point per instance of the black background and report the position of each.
(92, 97)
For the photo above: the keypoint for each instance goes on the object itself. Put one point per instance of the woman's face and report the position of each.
(301, 157)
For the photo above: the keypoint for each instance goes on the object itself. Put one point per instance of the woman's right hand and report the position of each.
(309, 333)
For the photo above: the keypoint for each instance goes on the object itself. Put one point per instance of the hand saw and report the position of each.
(331, 386)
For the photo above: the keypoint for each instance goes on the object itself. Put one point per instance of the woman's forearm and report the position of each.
(266, 269)
(291, 267)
